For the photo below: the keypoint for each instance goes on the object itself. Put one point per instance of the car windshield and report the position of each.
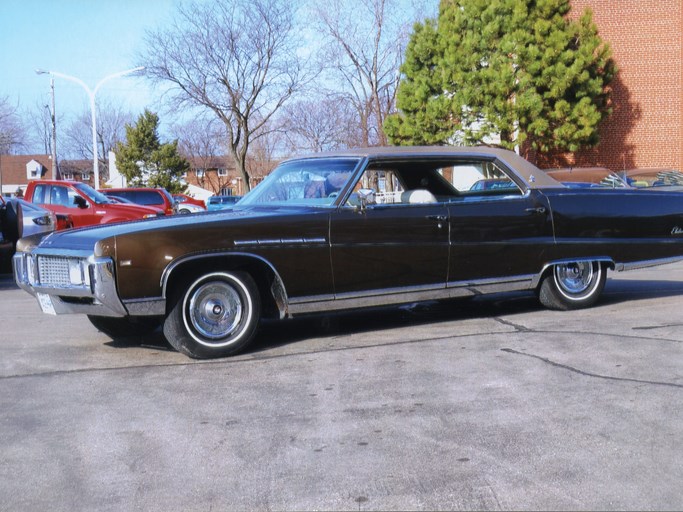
(94, 195)
(588, 177)
(655, 178)
(314, 182)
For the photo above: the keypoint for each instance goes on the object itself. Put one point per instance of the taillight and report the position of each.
(44, 220)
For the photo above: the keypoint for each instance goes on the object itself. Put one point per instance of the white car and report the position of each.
(31, 218)
(189, 208)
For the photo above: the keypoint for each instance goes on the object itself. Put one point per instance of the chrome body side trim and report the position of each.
(387, 297)
(646, 264)
(280, 241)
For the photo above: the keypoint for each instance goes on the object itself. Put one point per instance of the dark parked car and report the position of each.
(157, 197)
(221, 202)
(313, 238)
(654, 177)
(587, 177)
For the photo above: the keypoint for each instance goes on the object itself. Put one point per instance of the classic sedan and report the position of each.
(348, 230)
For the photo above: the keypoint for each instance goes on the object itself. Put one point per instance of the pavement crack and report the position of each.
(650, 327)
(517, 327)
(590, 374)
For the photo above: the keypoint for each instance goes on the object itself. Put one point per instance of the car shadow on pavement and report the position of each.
(274, 334)
(279, 333)
(153, 341)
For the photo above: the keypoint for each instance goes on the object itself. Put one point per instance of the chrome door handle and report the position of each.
(540, 209)
(440, 218)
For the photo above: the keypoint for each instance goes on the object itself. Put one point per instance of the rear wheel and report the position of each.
(215, 315)
(572, 285)
(116, 327)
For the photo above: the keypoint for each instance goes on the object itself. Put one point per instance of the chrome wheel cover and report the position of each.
(577, 280)
(215, 310)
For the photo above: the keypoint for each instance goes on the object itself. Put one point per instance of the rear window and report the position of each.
(145, 197)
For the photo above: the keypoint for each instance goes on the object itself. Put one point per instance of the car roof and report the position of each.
(528, 172)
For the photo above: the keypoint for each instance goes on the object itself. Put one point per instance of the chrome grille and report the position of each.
(53, 271)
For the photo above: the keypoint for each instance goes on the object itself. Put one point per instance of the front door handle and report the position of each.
(539, 209)
(440, 218)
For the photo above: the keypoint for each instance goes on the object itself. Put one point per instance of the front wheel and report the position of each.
(215, 315)
(572, 285)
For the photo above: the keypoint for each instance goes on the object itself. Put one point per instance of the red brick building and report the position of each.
(646, 126)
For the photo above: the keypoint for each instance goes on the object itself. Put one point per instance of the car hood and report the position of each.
(85, 238)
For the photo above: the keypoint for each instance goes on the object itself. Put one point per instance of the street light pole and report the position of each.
(91, 96)
(53, 118)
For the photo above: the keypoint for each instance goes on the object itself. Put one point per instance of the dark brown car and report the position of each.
(348, 230)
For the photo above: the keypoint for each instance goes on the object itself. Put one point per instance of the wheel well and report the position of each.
(606, 263)
(271, 290)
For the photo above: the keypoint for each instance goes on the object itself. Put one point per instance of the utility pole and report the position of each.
(53, 115)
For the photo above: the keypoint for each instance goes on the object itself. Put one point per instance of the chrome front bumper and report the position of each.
(69, 282)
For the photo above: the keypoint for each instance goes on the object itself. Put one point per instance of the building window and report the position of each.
(68, 175)
(200, 173)
(222, 172)
(85, 176)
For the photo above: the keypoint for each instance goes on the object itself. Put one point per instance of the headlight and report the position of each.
(78, 272)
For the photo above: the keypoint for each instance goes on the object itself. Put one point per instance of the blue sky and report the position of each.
(88, 39)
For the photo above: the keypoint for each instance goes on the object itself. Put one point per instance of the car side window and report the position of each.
(481, 178)
(59, 196)
(411, 182)
(39, 194)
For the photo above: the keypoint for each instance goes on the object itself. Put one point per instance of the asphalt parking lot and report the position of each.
(491, 403)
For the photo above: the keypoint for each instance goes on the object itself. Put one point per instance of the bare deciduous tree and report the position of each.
(201, 141)
(237, 58)
(41, 126)
(76, 140)
(365, 42)
(12, 131)
(321, 125)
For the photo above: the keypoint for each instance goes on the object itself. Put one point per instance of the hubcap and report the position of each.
(215, 310)
(574, 278)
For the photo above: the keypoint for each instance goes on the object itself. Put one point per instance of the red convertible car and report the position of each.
(348, 230)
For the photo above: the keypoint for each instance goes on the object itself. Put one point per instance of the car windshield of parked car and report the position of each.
(314, 182)
(655, 178)
(589, 177)
(94, 195)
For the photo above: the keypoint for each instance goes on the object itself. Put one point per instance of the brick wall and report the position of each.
(646, 127)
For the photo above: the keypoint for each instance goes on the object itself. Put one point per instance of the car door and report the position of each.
(62, 200)
(499, 230)
(389, 247)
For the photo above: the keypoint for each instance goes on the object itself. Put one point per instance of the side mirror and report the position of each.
(80, 202)
(366, 196)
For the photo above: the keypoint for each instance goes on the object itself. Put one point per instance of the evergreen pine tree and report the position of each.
(517, 70)
(145, 161)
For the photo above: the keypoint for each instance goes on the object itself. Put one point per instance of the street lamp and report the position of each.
(91, 95)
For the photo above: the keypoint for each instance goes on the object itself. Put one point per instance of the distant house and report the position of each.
(77, 170)
(17, 170)
(219, 176)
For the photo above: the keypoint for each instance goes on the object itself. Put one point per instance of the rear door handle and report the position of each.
(540, 209)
